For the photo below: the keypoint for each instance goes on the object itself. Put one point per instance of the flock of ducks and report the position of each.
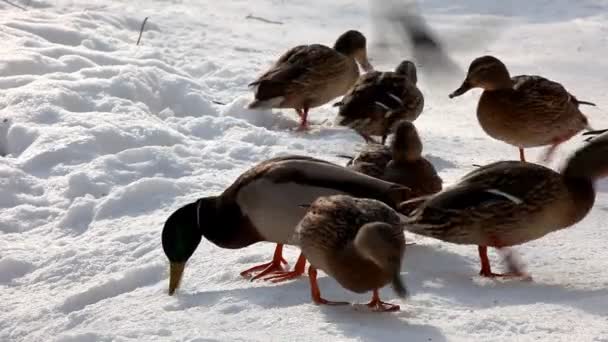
(349, 221)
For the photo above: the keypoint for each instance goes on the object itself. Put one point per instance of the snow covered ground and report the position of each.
(104, 139)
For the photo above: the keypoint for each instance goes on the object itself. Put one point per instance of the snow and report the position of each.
(102, 139)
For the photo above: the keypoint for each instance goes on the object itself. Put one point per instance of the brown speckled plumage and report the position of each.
(359, 242)
(523, 111)
(510, 203)
(309, 76)
(402, 163)
(379, 100)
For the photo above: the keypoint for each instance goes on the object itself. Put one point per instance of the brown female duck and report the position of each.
(379, 100)
(358, 242)
(402, 163)
(523, 111)
(309, 76)
(263, 204)
(509, 203)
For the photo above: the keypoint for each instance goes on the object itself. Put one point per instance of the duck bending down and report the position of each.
(309, 76)
(358, 242)
(510, 203)
(263, 204)
(523, 111)
(379, 100)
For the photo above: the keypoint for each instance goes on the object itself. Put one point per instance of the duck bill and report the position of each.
(466, 86)
(367, 66)
(364, 62)
(176, 270)
(399, 286)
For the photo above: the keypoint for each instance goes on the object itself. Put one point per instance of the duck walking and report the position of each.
(523, 111)
(309, 76)
(379, 100)
(358, 242)
(509, 203)
(263, 204)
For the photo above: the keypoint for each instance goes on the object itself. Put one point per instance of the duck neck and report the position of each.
(582, 193)
(223, 223)
(499, 81)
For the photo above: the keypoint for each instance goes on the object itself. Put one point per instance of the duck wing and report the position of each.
(301, 68)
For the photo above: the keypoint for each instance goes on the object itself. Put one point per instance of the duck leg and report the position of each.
(298, 270)
(315, 293)
(379, 306)
(556, 142)
(514, 267)
(522, 157)
(303, 113)
(271, 267)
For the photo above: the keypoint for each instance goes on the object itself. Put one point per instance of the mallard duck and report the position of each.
(402, 163)
(358, 242)
(510, 202)
(263, 204)
(309, 76)
(523, 111)
(379, 100)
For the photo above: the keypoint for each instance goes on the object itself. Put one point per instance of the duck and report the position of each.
(263, 205)
(509, 203)
(309, 76)
(374, 105)
(524, 111)
(402, 163)
(357, 241)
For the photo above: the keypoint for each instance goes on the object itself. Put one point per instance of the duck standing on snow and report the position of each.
(401, 164)
(359, 242)
(523, 111)
(379, 100)
(309, 76)
(264, 204)
(509, 203)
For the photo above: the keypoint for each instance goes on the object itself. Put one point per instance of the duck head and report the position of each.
(353, 44)
(385, 246)
(486, 72)
(182, 234)
(406, 145)
(408, 69)
(591, 161)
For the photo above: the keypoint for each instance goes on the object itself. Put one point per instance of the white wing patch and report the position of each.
(510, 197)
(396, 98)
(380, 104)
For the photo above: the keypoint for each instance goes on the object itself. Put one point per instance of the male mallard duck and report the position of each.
(404, 165)
(379, 100)
(523, 111)
(309, 76)
(263, 204)
(359, 242)
(509, 203)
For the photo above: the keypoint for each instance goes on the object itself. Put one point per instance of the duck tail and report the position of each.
(587, 103)
(266, 104)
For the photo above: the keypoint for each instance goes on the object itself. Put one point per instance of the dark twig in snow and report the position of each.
(15, 5)
(219, 103)
(253, 17)
(141, 30)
